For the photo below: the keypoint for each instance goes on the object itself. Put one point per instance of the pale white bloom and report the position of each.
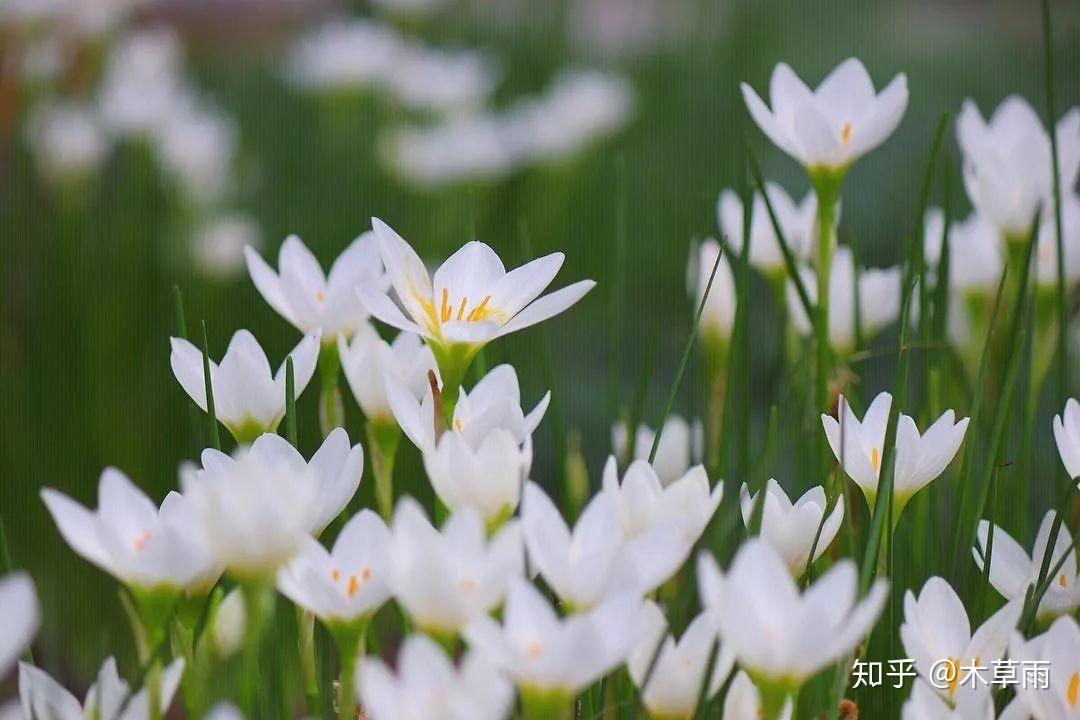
(681, 445)
(348, 583)
(443, 579)
(43, 697)
(829, 128)
(863, 441)
(196, 144)
(879, 300)
(343, 55)
(1067, 437)
(441, 81)
(68, 140)
(140, 545)
(743, 701)
(218, 246)
(1046, 254)
(470, 148)
(796, 222)
(411, 7)
(922, 458)
(791, 529)
(426, 685)
(367, 359)
(1007, 162)
(552, 656)
(22, 615)
(774, 631)
(249, 399)
(1012, 570)
(976, 256)
(229, 624)
(487, 478)
(471, 300)
(925, 703)
(1059, 649)
(224, 710)
(143, 85)
(310, 300)
(936, 629)
(718, 315)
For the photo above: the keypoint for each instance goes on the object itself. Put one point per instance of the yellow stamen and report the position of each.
(335, 575)
(320, 296)
(845, 133)
(458, 425)
(1061, 580)
(953, 675)
(467, 585)
(479, 312)
(1073, 693)
(141, 540)
(365, 574)
(354, 586)
(875, 458)
(444, 311)
(533, 650)
(461, 308)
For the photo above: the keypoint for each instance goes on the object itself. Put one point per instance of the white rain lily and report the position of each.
(343, 55)
(779, 635)
(426, 685)
(1012, 570)
(796, 222)
(143, 85)
(470, 300)
(791, 529)
(922, 458)
(593, 562)
(494, 402)
(718, 316)
(863, 441)
(879, 300)
(743, 700)
(350, 582)
(22, 615)
(443, 579)
(43, 697)
(925, 703)
(1067, 437)
(554, 658)
(829, 128)
(249, 399)
(197, 146)
(1046, 254)
(229, 624)
(367, 359)
(441, 81)
(144, 547)
(217, 248)
(1059, 649)
(312, 301)
(1008, 162)
(487, 478)
(67, 139)
(681, 445)
(976, 257)
(936, 630)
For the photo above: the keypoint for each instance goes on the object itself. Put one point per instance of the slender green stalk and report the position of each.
(828, 195)
(331, 407)
(637, 410)
(290, 403)
(383, 439)
(1055, 529)
(211, 412)
(309, 664)
(1062, 307)
(941, 299)
(258, 606)
(350, 642)
(178, 310)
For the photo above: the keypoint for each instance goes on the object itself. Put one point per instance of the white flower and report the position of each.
(427, 686)
(487, 478)
(142, 87)
(441, 81)
(594, 562)
(68, 140)
(743, 700)
(936, 629)
(1067, 437)
(863, 441)
(1059, 649)
(471, 299)
(718, 315)
(776, 633)
(140, 545)
(921, 459)
(335, 470)
(218, 246)
(229, 624)
(879, 300)
(445, 579)
(347, 584)
(791, 529)
(474, 147)
(1046, 254)
(196, 146)
(975, 251)
(367, 359)
(1012, 570)
(43, 697)
(310, 300)
(680, 445)
(224, 710)
(249, 399)
(1007, 162)
(831, 127)
(19, 608)
(343, 55)
(551, 656)
(796, 222)
(926, 704)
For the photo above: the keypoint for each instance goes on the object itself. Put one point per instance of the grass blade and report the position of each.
(211, 412)
(290, 403)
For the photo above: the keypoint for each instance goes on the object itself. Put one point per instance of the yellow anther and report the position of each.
(461, 308)
(141, 540)
(335, 575)
(320, 296)
(444, 310)
(845, 133)
(480, 311)
(875, 458)
(1061, 580)
(1073, 692)
(533, 650)
(354, 586)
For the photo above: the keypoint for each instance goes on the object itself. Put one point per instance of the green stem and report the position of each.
(383, 441)
(827, 187)
(350, 642)
(258, 604)
(309, 666)
(331, 407)
(546, 706)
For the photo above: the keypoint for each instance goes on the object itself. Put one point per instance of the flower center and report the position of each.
(354, 583)
(1062, 581)
(1073, 693)
(533, 650)
(478, 313)
(952, 675)
(320, 296)
(845, 133)
(875, 459)
(141, 540)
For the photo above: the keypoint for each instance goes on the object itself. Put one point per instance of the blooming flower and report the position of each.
(936, 629)
(444, 579)
(441, 81)
(1059, 649)
(43, 697)
(427, 686)
(143, 86)
(681, 445)
(926, 704)
(196, 146)
(218, 246)
(19, 607)
(68, 140)
(1008, 163)
(863, 441)
(343, 55)
(829, 128)
(487, 478)
(744, 701)
(140, 545)
(1046, 255)
(248, 398)
(792, 529)
(1067, 437)
(367, 359)
(777, 634)
(312, 301)
(347, 584)
(1012, 570)
(796, 222)
(975, 252)
(718, 315)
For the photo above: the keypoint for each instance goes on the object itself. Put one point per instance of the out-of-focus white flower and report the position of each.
(552, 657)
(791, 529)
(1067, 437)
(19, 608)
(1046, 245)
(1008, 162)
(229, 624)
(1012, 570)
(367, 359)
(144, 547)
(81, 18)
(218, 246)
(343, 55)
(975, 251)
(68, 140)
(879, 300)
(248, 399)
(743, 700)
(926, 704)
(1059, 649)
(410, 7)
(445, 579)
(43, 697)
(796, 222)
(224, 710)
(718, 316)
(441, 81)
(348, 584)
(142, 87)
(461, 149)
(936, 629)
(427, 686)
(681, 445)
(829, 128)
(487, 478)
(310, 300)
(776, 633)
(196, 145)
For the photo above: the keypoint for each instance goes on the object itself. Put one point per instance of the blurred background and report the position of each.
(143, 143)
